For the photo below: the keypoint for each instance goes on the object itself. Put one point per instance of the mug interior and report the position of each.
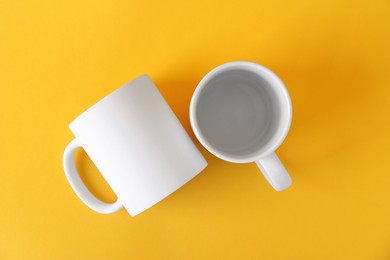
(239, 114)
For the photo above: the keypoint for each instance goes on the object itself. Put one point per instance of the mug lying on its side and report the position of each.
(138, 145)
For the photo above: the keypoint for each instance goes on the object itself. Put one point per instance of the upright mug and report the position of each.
(241, 112)
(138, 145)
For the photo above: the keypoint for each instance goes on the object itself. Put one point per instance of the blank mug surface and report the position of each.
(138, 145)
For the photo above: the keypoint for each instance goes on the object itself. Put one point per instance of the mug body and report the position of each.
(241, 112)
(138, 145)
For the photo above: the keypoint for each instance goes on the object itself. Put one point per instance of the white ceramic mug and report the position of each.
(138, 145)
(241, 112)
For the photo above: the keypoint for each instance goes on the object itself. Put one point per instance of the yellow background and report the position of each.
(57, 58)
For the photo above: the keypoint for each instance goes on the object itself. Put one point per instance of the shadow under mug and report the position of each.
(241, 112)
(138, 145)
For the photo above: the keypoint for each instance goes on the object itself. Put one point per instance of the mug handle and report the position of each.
(274, 171)
(79, 187)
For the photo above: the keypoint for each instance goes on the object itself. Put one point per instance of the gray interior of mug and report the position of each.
(238, 113)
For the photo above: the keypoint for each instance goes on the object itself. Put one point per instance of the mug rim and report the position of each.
(260, 70)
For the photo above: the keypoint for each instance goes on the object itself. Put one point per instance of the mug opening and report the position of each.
(240, 111)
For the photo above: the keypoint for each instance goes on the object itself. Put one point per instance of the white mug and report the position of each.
(138, 145)
(241, 112)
